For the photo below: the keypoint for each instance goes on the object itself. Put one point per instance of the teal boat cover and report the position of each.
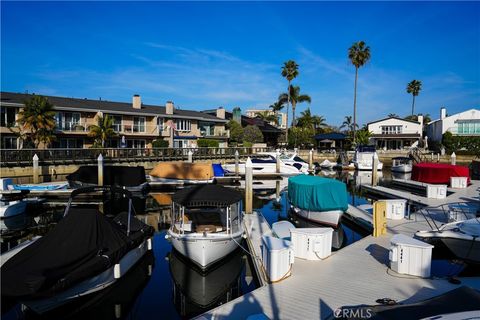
(317, 194)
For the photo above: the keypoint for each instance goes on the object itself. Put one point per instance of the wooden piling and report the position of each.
(374, 169)
(310, 161)
(248, 186)
(36, 169)
(453, 158)
(190, 156)
(277, 157)
(100, 169)
(237, 169)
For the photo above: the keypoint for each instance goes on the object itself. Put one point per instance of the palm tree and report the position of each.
(295, 97)
(348, 124)
(102, 131)
(393, 115)
(38, 117)
(414, 88)
(289, 72)
(359, 54)
(276, 108)
(308, 120)
(267, 117)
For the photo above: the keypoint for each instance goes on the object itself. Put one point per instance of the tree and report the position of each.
(289, 72)
(311, 121)
(301, 136)
(267, 116)
(276, 108)
(102, 131)
(294, 97)
(38, 118)
(363, 136)
(359, 55)
(348, 125)
(252, 134)
(393, 115)
(236, 131)
(414, 87)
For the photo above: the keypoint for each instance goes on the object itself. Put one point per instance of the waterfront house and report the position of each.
(135, 123)
(281, 117)
(394, 133)
(466, 123)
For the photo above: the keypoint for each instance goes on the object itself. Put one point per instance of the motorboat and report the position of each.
(318, 199)
(84, 253)
(206, 223)
(12, 208)
(293, 159)
(132, 178)
(327, 164)
(195, 291)
(402, 164)
(461, 238)
(186, 172)
(267, 166)
(363, 158)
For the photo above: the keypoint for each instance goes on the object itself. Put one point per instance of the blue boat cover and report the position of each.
(218, 170)
(32, 187)
(317, 194)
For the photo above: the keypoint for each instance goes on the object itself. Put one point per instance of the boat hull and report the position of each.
(13, 209)
(367, 166)
(329, 218)
(264, 169)
(465, 248)
(403, 168)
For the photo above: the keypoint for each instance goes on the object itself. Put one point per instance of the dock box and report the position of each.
(277, 258)
(436, 191)
(458, 182)
(410, 256)
(282, 229)
(312, 243)
(396, 208)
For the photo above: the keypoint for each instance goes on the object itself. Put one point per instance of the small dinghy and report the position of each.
(402, 164)
(84, 253)
(318, 199)
(461, 238)
(206, 223)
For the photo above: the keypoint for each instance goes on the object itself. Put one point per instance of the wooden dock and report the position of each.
(357, 274)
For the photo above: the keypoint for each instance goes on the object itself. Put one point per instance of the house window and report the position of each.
(183, 125)
(138, 124)
(136, 143)
(116, 123)
(181, 143)
(68, 143)
(9, 143)
(206, 128)
(67, 121)
(8, 116)
(468, 127)
(160, 122)
(391, 129)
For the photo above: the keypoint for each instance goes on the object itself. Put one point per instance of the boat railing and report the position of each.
(437, 216)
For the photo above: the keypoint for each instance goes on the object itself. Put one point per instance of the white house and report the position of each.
(395, 133)
(466, 123)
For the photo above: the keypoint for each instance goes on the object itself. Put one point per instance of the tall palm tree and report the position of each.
(414, 87)
(348, 124)
(359, 54)
(38, 118)
(306, 119)
(289, 72)
(102, 131)
(295, 97)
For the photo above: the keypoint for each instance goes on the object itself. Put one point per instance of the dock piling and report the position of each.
(453, 158)
(248, 186)
(310, 161)
(374, 169)
(100, 169)
(36, 169)
(236, 163)
(190, 156)
(277, 157)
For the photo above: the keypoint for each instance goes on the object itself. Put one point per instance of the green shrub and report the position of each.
(207, 143)
(465, 145)
(252, 134)
(160, 143)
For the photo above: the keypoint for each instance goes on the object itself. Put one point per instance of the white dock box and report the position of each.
(396, 208)
(436, 191)
(277, 257)
(5, 182)
(282, 229)
(312, 243)
(458, 182)
(410, 256)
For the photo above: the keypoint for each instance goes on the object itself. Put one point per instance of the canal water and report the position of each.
(164, 284)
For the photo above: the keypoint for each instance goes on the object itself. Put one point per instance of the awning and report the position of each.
(185, 137)
(209, 195)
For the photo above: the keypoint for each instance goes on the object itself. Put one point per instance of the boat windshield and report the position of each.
(286, 156)
(366, 149)
(298, 159)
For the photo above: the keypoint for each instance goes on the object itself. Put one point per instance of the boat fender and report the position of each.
(167, 237)
(116, 271)
(149, 244)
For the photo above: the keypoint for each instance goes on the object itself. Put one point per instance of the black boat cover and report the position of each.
(208, 195)
(83, 244)
(455, 301)
(112, 176)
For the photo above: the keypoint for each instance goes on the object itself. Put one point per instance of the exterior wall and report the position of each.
(436, 129)
(407, 126)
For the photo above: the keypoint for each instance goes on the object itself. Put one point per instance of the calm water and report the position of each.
(164, 284)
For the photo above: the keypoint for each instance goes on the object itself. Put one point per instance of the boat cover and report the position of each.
(112, 176)
(438, 172)
(183, 170)
(218, 170)
(209, 195)
(317, 194)
(83, 244)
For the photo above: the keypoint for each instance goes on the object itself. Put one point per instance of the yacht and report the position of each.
(206, 223)
(402, 164)
(267, 165)
(363, 158)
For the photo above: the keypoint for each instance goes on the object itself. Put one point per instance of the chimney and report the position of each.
(169, 107)
(443, 113)
(136, 102)
(420, 119)
(221, 113)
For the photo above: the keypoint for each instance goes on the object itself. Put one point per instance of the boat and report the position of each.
(363, 158)
(267, 166)
(131, 178)
(462, 238)
(402, 164)
(326, 164)
(195, 291)
(41, 186)
(206, 223)
(292, 159)
(85, 253)
(186, 172)
(12, 208)
(318, 199)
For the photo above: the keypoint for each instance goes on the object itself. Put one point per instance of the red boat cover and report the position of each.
(438, 172)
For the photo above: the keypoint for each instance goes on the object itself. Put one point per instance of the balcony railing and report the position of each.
(72, 127)
(212, 134)
(137, 129)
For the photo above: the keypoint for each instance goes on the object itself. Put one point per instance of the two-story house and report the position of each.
(136, 125)
(466, 123)
(281, 116)
(395, 133)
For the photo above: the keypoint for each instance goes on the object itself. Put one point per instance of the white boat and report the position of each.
(12, 208)
(49, 271)
(326, 164)
(267, 166)
(292, 159)
(402, 164)
(318, 199)
(363, 158)
(206, 223)
(462, 238)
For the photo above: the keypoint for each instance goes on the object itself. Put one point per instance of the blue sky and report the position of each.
(207, 54)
